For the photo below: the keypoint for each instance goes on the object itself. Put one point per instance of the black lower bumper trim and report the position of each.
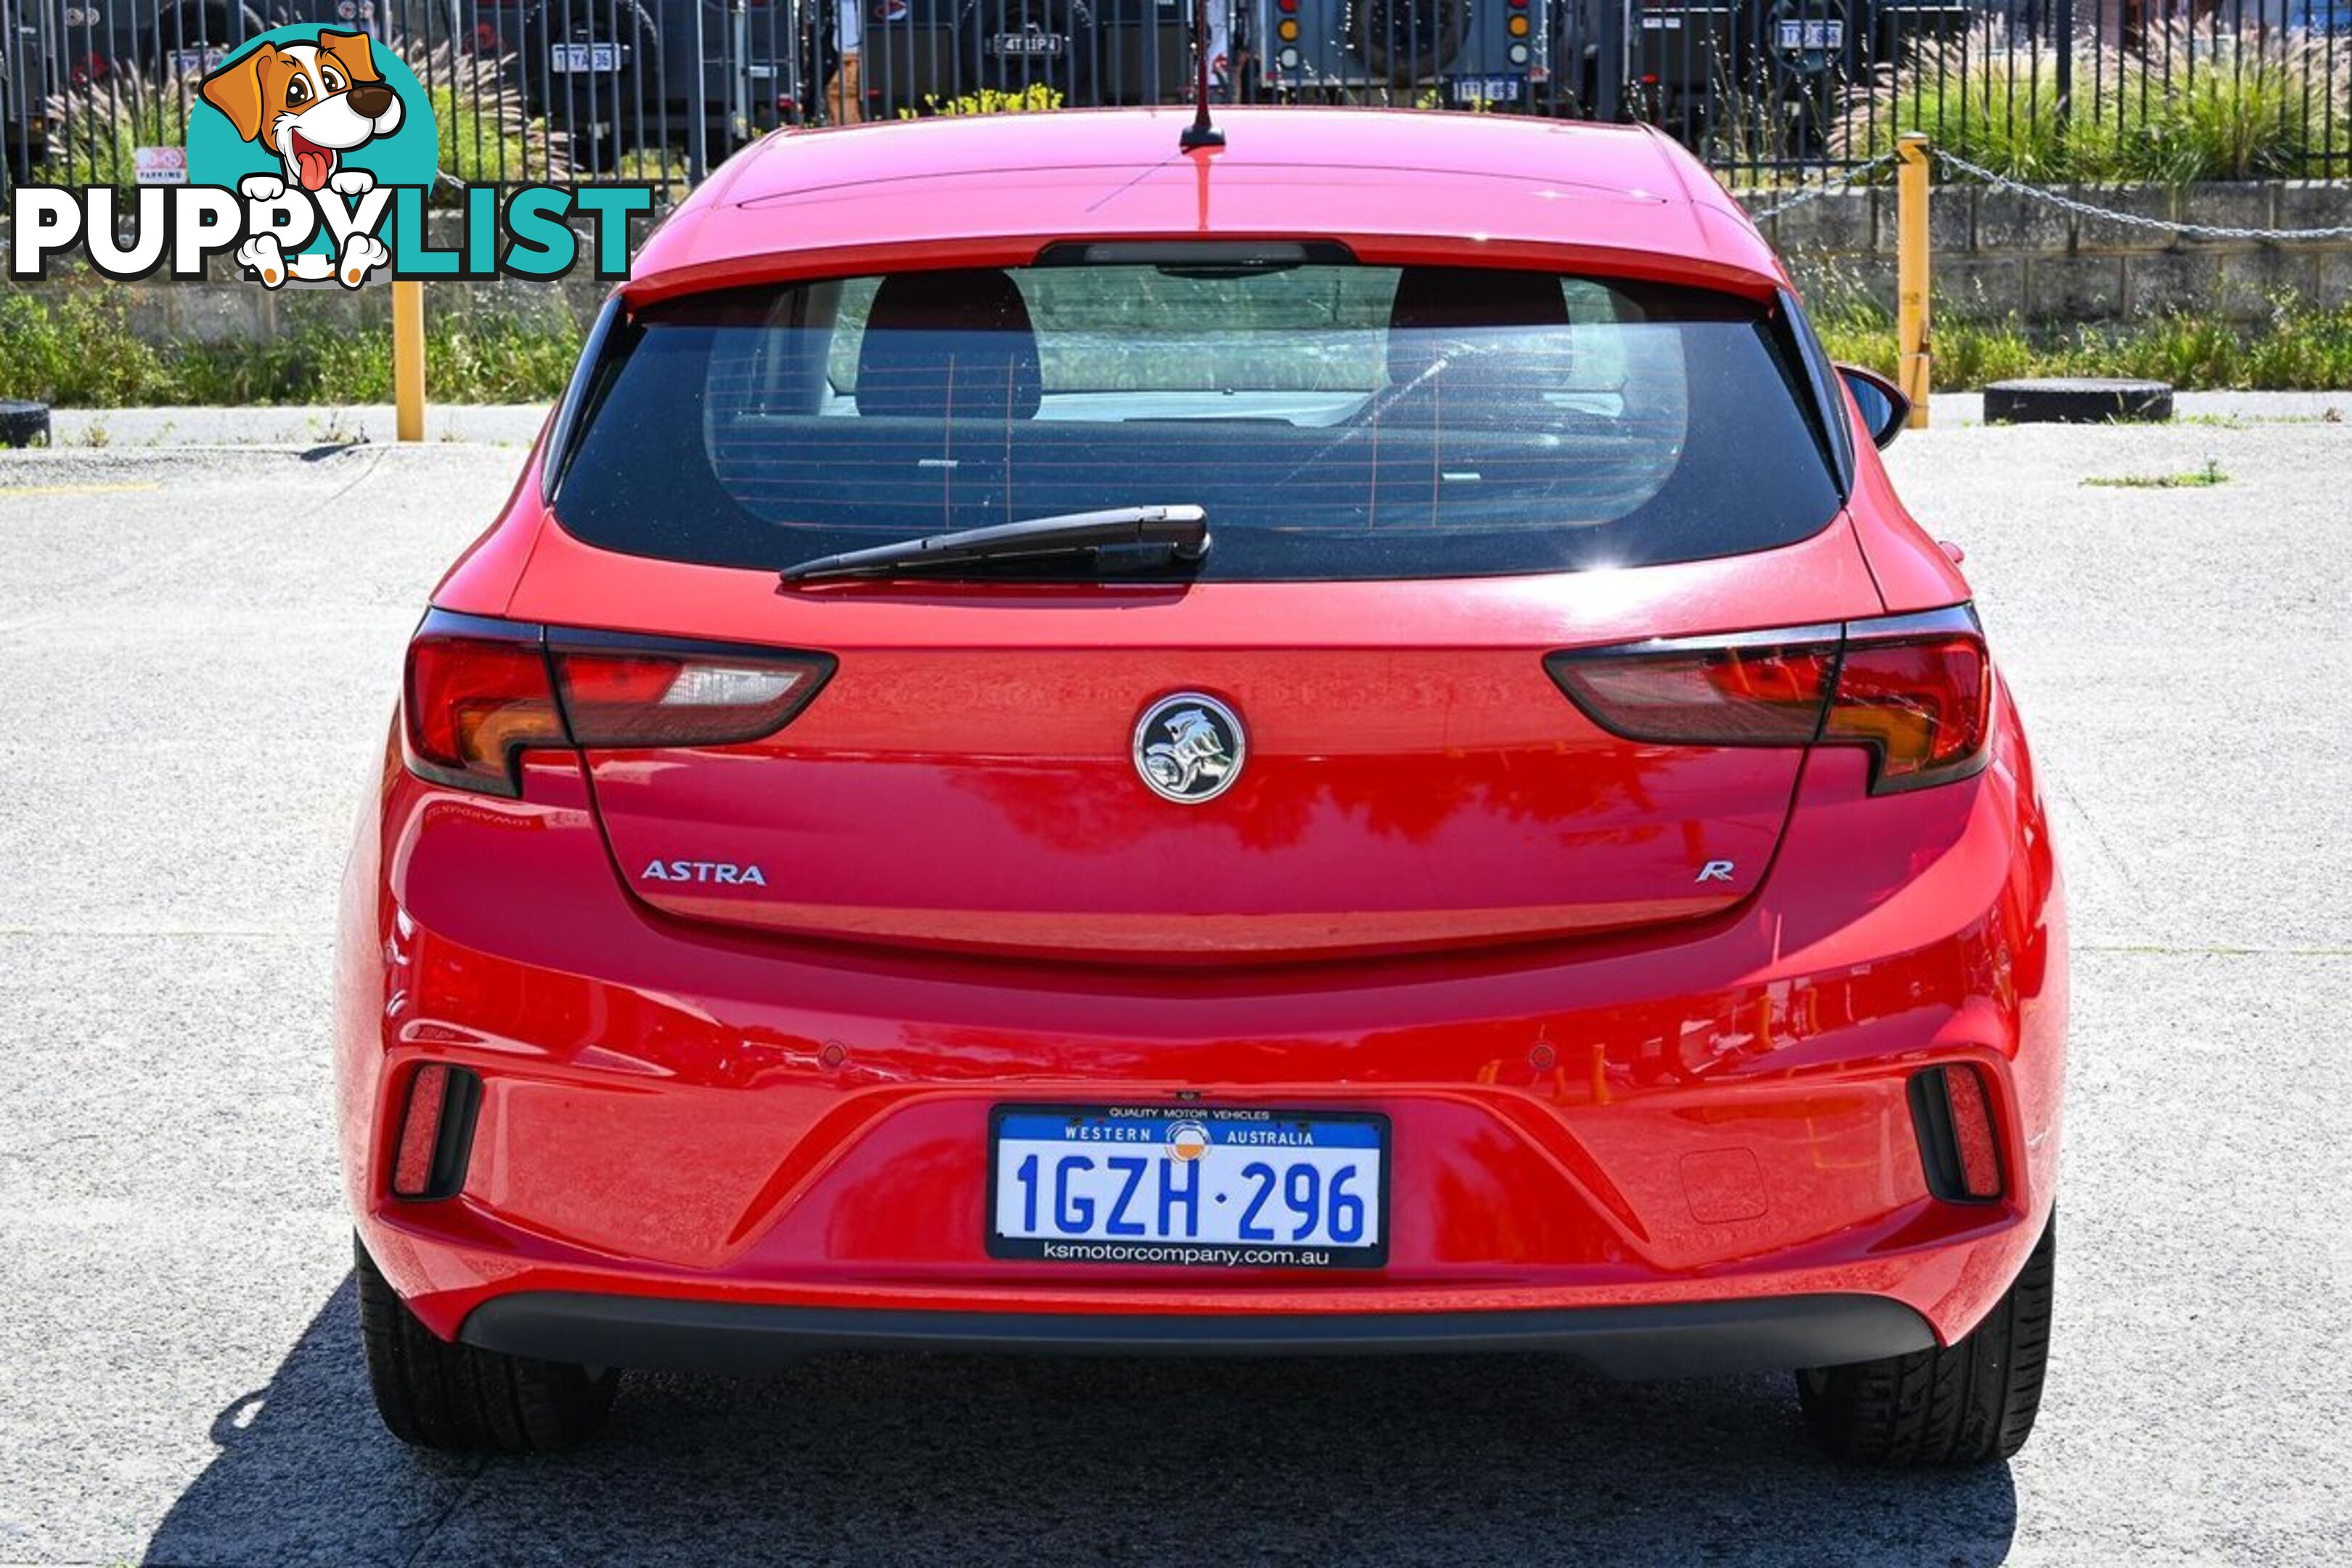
(1676, 1339)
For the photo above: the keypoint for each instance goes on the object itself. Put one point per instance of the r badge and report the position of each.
(1189, 748)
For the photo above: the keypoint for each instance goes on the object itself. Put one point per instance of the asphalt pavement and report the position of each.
(198, 650)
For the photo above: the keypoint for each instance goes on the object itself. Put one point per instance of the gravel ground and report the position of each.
(518, 425)
(197, 650)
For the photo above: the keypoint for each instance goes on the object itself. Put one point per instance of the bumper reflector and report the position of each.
(1952, 1109)
(436, 1133)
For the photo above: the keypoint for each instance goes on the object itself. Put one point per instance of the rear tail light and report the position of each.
(1918, 696)
(481, 692)
(476, 697)
(437, 1131)
(1951, 1109)
(1755, 689)
(626, 692)
(1914, 690)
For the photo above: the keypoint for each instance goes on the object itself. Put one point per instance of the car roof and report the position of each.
(1395, 185)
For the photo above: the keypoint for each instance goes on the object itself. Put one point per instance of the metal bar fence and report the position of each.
(1768, 91)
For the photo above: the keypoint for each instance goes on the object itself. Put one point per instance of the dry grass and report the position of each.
(2200, 103)
(485, 135)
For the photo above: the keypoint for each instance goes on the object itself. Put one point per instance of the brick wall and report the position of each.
(1998, 254)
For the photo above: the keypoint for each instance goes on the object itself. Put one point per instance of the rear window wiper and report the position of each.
(1182, 531)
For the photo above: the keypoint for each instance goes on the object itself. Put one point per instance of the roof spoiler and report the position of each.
(1757, 277)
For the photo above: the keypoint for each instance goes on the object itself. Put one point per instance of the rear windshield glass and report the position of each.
(1334, 421)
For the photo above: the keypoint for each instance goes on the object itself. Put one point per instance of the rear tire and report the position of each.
(462, 1399)
(24, 424)
(1969, 1403)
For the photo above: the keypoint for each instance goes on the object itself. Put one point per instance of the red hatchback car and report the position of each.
(1331, 743)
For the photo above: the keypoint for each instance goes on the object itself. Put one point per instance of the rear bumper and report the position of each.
(1689, 1339)
(1689, 1149)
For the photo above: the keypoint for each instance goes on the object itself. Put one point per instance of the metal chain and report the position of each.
(1843, 182)
(1998, 181)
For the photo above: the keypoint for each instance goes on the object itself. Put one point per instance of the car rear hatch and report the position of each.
(1366, 750)
(1388, 796)
(1412, 775)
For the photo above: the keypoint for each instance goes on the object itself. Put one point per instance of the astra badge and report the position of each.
(723, 872)
(1189, 748)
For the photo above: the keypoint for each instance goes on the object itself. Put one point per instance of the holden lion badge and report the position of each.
(1189, 748)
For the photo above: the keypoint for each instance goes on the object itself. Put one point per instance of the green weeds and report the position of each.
(2294, 348)
(72, 346)
(2191, 480)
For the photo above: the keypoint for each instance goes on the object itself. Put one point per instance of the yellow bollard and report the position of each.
(408, 360)
(1913, 371)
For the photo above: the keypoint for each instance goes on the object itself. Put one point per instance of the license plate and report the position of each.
(1486, 89)
(1029, 46)
(1797, 38)
(586, 57)
(1188, 1184)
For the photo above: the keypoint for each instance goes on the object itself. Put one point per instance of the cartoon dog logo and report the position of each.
(309, 103)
